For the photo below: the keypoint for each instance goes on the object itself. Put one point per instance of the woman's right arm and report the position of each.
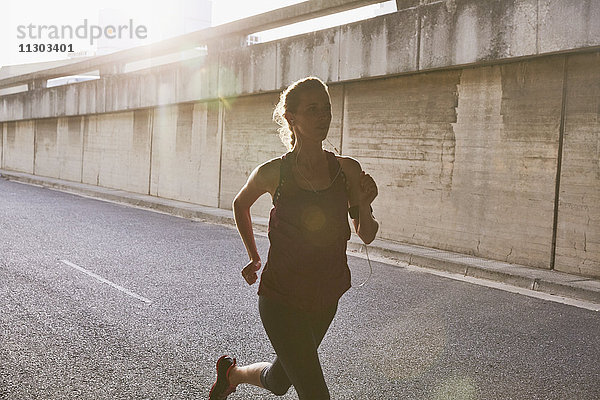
(263, 179)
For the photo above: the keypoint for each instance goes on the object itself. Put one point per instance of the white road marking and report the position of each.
(101, 279)
(487, 283)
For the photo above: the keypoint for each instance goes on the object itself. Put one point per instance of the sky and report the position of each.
(154, 15)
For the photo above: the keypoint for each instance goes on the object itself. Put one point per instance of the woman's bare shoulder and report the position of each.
(349, 165)
(267, 174)
(270, 167)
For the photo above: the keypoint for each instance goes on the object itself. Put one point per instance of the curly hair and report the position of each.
(288, 101)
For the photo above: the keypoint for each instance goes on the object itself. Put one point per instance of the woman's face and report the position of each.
(313, 115)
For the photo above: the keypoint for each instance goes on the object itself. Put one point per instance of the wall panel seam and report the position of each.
(561, 133)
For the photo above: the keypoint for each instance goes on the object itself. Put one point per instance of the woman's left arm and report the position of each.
(362, 191)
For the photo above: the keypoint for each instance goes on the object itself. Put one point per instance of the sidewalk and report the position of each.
(546, 281)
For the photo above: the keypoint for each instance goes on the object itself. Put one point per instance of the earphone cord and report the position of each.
(298, 168)
(364, 245)
(303, 177)
(370, 268)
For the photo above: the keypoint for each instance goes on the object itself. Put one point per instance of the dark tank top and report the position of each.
(308, 232)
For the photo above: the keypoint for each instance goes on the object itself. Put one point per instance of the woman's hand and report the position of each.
(368, 189)
(250, 271)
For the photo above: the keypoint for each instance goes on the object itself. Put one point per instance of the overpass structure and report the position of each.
(479, 119)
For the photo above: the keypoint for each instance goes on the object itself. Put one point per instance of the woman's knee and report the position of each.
(273, 378)
(280, 390)
(313, 394)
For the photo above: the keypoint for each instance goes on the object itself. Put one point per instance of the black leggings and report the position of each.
(295, 336)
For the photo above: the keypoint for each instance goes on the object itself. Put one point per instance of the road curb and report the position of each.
(546, 281)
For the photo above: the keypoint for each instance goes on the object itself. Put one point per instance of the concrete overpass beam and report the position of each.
(404, 4)
(112, 69)
(37, 84)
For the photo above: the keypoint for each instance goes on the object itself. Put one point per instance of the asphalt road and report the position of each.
(103, 301)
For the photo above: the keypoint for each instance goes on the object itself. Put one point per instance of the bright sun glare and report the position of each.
(162, 19)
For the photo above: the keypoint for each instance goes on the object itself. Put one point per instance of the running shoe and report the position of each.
(222, 388)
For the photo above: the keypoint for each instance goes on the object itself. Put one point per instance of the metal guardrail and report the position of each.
(261, 22)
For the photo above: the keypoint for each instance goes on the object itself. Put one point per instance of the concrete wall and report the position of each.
(2, 135)
(186, 147)
(464, 156)
(18, 146)
(116, 150)
(578, 233)
(58, 145)
(249, 139)
(466, 159)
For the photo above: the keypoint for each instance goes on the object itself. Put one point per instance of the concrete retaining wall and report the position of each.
(18, 146)
(186, 147)
(58, 148)
(116, 150)
(466, 160)
(578, 231)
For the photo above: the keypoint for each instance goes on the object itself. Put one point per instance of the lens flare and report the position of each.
(410, 345)
(313, 218)
(456, 388)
